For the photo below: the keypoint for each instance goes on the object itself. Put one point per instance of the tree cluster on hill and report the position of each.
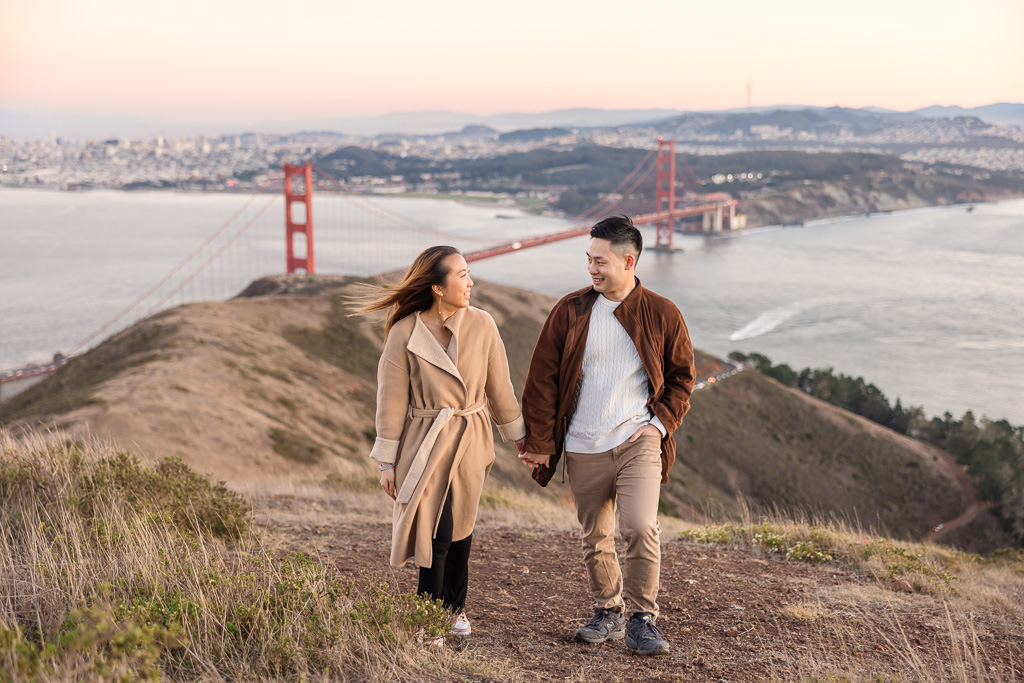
(356, 161)
(992, 451)
(533, 134)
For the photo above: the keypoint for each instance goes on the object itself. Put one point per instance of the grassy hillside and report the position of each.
(753, 437)
(277, 388)
(111, 570)
(114, 570)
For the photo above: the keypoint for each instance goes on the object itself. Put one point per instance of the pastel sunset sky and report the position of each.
(262, 60)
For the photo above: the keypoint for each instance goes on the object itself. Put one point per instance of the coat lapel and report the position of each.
(423, 344)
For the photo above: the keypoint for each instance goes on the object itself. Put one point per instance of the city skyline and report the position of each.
(251, 63)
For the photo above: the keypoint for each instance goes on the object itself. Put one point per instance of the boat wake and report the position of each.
(767, 322)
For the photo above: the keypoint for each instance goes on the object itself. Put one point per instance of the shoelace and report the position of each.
(601, 619)
(648, 629)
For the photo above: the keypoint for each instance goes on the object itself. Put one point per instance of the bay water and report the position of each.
(926, 304)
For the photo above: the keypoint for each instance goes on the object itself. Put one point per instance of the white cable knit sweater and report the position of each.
(613, 398)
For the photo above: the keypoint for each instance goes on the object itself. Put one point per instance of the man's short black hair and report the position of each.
(623, 235)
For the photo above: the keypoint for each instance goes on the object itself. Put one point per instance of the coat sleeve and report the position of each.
(392, 401)
(678, 366)
(501, 396)
(540, 395)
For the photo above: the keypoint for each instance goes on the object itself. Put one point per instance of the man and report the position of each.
(609, 383)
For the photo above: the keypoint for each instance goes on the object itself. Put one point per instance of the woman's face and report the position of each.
(456, 289)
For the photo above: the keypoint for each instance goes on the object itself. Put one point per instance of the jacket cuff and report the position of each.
(513, 431)
(540, 446)
(384, 450)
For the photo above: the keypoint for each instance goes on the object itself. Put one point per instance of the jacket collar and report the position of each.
(425, 345)
(586, 297)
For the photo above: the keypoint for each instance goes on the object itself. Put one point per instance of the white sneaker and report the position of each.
(460, 625)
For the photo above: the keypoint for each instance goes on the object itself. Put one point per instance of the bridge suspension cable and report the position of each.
(209, 260)
(593, 210)
(382, 212)
(689, 177)
(174, 271)
(580, 229)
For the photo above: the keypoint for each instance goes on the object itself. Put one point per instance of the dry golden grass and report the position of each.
(804, 611)
(839, 654)
(113, 570)
(956, 596)
(109, 569)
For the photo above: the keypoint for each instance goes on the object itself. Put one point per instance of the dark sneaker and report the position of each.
(607, 624)
(643, 637)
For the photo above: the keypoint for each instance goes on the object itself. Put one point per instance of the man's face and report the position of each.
(609, 271)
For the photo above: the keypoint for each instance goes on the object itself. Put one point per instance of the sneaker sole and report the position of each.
(595, 639)
(652, 652)
(465, 632)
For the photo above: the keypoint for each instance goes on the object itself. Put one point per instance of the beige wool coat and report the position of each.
(434, 412)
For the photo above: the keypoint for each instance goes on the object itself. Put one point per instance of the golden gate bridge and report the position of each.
(358, 236)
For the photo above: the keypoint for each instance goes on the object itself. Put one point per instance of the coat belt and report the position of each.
(441, 417)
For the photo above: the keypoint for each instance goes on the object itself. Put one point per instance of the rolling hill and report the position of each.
(277, 387)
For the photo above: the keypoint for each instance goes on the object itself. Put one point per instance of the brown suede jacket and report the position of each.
(552, 387)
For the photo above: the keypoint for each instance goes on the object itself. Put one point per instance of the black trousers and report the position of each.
(448, 576)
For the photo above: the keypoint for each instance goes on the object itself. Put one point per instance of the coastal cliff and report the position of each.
(796, 202)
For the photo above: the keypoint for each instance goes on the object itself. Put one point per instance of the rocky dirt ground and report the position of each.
(730, 613)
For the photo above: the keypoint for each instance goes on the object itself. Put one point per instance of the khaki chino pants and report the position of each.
(630, 474)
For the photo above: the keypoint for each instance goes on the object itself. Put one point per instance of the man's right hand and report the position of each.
(535, 459)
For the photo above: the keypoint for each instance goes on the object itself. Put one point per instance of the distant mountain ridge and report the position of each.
(1001, 114)
(29, 125)
(438, 122)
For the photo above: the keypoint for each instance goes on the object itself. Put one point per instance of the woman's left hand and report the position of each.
(387, 482)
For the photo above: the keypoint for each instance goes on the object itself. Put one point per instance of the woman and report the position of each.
(442, 376)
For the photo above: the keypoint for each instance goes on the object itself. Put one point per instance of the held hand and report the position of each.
(646, 429)
(533, 460)
(521, 446)
(387, 482)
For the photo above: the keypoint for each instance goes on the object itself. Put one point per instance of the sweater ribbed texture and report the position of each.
(613, 398)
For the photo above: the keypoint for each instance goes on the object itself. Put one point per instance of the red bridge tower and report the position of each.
(305, 172)
(665, 193)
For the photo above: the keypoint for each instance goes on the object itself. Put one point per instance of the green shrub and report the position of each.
(173, 490)
(770, 538)
(710, 534)
(92, 643)
(379, 613)
(169, 491)
(901, 562)
(805, 551)
(764, 535)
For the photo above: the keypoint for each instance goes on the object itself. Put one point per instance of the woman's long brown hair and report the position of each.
(413, 293)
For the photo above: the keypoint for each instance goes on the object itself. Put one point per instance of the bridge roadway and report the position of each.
(13, 382)
(684, 211)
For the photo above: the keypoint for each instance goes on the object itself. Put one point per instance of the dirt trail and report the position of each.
(973, 507)
(730, 614)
